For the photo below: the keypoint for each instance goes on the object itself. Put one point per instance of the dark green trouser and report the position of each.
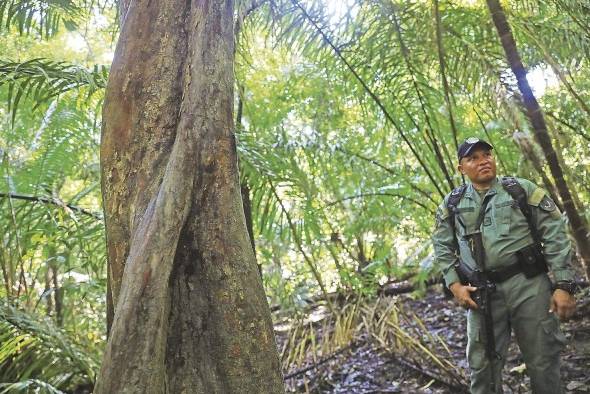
(521, 305)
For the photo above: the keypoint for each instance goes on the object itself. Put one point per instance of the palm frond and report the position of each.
(35, 353)
(41, 80)
(29, 385)
(53, 169)
(43, 17)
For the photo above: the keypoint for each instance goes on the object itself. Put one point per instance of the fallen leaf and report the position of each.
(580, 386)
(519, 369)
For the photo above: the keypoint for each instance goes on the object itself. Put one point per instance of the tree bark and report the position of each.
(535, 115)
(57, 296)
(190, 312)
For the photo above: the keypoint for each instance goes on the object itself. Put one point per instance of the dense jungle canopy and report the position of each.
(347, 116)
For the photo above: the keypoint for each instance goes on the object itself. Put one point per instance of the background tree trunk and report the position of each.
(527, 147)
(535, 114)
(191, 315)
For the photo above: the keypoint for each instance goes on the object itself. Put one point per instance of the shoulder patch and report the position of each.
(547, 204)
(536, 197)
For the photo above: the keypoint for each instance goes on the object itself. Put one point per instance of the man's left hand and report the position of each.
(563, 304)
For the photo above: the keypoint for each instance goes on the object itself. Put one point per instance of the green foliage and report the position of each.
(49, 196)
(34, 353)
(41, 17)
(346, 139)
(41, 80)
(52, 256)
(349, 129)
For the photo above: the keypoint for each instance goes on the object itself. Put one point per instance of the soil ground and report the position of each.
(365, 367)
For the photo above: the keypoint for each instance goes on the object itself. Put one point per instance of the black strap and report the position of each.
(476, 239)
(518, 194)
(505, 273)
(512, 187)
(482, 211)
(454, 199)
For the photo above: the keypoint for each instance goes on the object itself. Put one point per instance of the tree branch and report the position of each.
(53, 201)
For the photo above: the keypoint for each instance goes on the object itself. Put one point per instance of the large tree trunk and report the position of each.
(535, 114)
(190, 311)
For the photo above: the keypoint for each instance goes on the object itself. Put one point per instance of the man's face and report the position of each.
(479, 166)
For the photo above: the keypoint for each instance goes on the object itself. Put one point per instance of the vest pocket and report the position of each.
(503, 214)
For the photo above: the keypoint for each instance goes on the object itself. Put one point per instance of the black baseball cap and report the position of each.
(469, 144)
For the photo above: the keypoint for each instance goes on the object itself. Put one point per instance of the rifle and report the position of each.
(485, 288)
(476, 278)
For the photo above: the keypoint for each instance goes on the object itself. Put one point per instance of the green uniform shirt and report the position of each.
(504, 231)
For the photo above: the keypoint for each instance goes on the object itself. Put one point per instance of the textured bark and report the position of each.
(48, 284)
(123, 8)
(191, 315)
(535, 115)
(57, 296)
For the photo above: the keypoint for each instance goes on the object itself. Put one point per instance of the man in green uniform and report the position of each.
(513, 256)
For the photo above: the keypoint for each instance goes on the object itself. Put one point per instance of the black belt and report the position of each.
(499, 276)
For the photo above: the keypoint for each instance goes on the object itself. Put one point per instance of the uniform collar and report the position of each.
(470, 192)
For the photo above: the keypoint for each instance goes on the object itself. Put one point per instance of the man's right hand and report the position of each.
(463, 295)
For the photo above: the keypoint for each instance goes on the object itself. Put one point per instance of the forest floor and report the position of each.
(366, 367)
